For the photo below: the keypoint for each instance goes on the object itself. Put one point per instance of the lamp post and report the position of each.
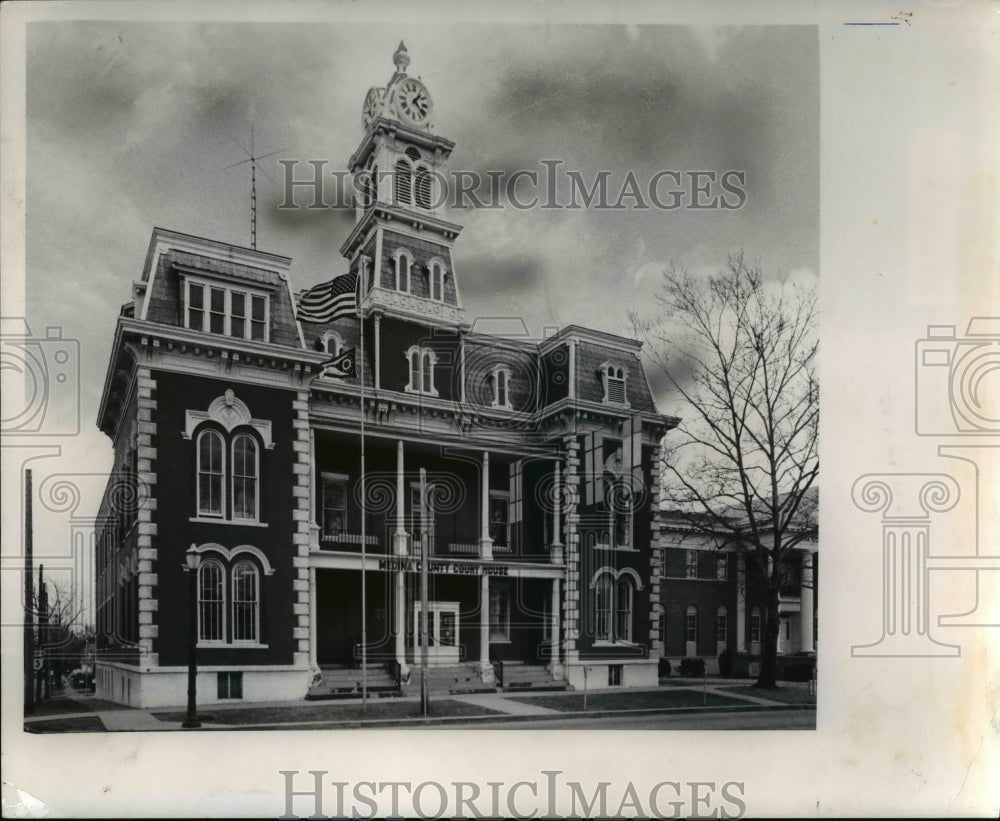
(192, 560)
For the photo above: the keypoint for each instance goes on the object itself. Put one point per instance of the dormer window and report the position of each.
(221, 309)
(614, 376)
(332, 343)
(403, 183)
(437, 281)
(500, 379)
(404, 263)
(421, 362)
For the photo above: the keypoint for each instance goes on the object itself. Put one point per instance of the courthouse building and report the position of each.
(526, 468)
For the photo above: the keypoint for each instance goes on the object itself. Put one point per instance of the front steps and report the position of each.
(455, 679)
(520, 677)
(342, 681)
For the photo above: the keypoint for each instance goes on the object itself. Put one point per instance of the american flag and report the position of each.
(329, 301)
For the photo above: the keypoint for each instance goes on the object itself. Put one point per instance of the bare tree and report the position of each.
(742, 467)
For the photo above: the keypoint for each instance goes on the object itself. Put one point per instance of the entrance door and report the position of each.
(442, 632)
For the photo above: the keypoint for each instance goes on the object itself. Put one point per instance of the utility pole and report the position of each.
(29, 596)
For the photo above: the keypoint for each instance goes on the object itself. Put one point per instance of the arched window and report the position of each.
(403, 264)
(423, 187)
(623, 609)
(245, 602)
(211, 473)
(211, 601)
(421, 365)
(721, 625)
(501, 387)
(427, 360)
(245, 469)
(603, 604)
(403, 183)
(614, 376)
(437, 281)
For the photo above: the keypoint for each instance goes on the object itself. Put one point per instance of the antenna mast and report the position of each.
(253, 160)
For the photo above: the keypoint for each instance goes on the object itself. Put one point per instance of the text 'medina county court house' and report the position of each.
(232, 438)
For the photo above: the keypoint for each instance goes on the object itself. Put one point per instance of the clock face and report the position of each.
(413, 101)
(372, 104)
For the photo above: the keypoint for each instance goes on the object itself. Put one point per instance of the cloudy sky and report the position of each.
(131, 125)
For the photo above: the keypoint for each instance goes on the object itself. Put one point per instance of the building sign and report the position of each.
(451, 568)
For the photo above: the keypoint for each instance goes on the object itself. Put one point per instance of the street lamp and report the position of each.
(192, 560)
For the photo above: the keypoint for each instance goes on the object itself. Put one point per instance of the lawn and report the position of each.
(657, 699)
(79, 724)
(786, 695)
(393, 710)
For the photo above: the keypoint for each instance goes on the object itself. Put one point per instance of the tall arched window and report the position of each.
(245, 469)
(427, 372)
(403, 183)
(211, 601)
(211, 474)
(423, 187)
(403, 271)
(245, 602)
(437, 281)
(421, 365)
(501, 387)
(623, 609)
(603, 604)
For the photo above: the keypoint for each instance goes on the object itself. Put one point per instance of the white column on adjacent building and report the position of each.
(485, 552)
(808, 602)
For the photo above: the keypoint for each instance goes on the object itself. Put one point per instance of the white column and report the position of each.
(378, 348)
(312, 618)
(556, 664)
(485, 552)
(807, 602)
(400, 618)
(485, 542)
(399, 538)
(556, 548)
(485, 668)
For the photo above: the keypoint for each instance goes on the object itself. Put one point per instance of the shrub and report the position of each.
(725, 663)
(692, 667)
(664, 668)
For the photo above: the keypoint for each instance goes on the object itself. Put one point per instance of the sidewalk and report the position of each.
(487, 708)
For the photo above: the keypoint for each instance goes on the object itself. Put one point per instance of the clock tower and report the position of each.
(401, 237)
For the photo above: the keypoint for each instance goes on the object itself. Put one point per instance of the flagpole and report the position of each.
(364, 511)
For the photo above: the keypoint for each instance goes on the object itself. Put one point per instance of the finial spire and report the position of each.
(401, 58)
